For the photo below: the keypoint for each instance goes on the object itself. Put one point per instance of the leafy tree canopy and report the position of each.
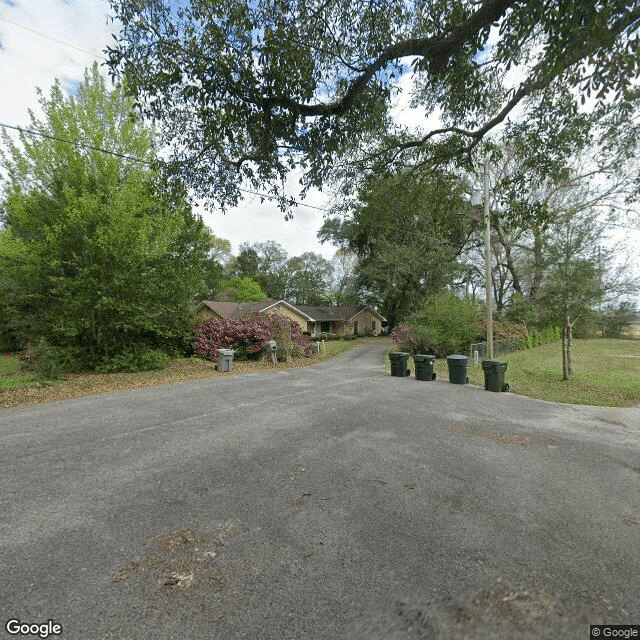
(407, 233)
(248, 89)
(240, 289)
(309, 279)
(98, 257)
(266, 263)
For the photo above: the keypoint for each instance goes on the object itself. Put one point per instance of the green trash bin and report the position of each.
(424, 366)
(399, 361)
(494, 372)
(457, 369)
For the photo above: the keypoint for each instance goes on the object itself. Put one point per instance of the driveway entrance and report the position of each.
(326, 502)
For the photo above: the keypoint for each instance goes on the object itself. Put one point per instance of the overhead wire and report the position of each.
(62, 42)
(75, 143)
(127, 157)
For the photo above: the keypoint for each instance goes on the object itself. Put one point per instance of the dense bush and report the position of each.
(46, 361)
(99, 255)
(138, 360)
(535, 338)
(250, 336)
(446, 324)
(616, 320)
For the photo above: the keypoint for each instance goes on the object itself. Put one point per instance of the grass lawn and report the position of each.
(605, 372)
(10, 374)
(19, 388)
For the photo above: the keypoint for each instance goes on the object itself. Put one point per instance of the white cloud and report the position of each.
(74, 31)
(29, 60)
(255, 221)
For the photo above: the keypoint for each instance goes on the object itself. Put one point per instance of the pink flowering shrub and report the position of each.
(402, 338)
(250, 336)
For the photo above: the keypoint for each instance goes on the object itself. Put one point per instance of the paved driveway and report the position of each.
(328, 502)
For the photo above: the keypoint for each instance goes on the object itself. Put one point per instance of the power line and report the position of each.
(75, 143)
(136, 159)
(266, 196)
(272, 197)
(42, 35)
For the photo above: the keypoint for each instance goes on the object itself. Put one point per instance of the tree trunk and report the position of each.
(538, 270)
(567, 334)
(504, 241)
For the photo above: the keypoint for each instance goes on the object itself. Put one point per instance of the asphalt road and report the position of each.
(326, 502)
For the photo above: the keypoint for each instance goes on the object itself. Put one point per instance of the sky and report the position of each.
(77, 31)
(44, 40)
(41, 40)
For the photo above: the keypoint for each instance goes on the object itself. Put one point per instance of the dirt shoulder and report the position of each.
(91, 383)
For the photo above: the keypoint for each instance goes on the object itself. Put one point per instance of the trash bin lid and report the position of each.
(421, 357)
(487, 364)
(225, 352)
(398, 354)
(457, 357)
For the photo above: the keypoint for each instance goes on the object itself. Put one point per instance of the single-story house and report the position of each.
(360, 320)
(235, 310)
(340, 321)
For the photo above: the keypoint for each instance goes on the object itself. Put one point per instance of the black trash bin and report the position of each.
(424, 366)
(399, 361)
(494, 372)
(457, 369)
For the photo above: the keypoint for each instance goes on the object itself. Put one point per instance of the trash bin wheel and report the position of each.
(505, 387)
(408, 372)
(467, 379)
(433, 377)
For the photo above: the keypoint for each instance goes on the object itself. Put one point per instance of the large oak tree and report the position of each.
(248, 89)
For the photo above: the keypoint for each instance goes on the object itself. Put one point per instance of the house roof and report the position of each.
(319, 314)
(236, 310)
(223, 309)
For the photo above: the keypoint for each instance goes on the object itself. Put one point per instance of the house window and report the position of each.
(373, 325)
(355, 327)
(325, 327)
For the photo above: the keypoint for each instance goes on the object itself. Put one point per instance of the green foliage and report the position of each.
(264, 262)
(259, 88)
(522, 310)
(445, 324)
(100, 255)
(47, 362)
(616, 319)
(141, 360)
(240, 289)
(407, 233)
(536, 338)
(308, 279)
(286, 346)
